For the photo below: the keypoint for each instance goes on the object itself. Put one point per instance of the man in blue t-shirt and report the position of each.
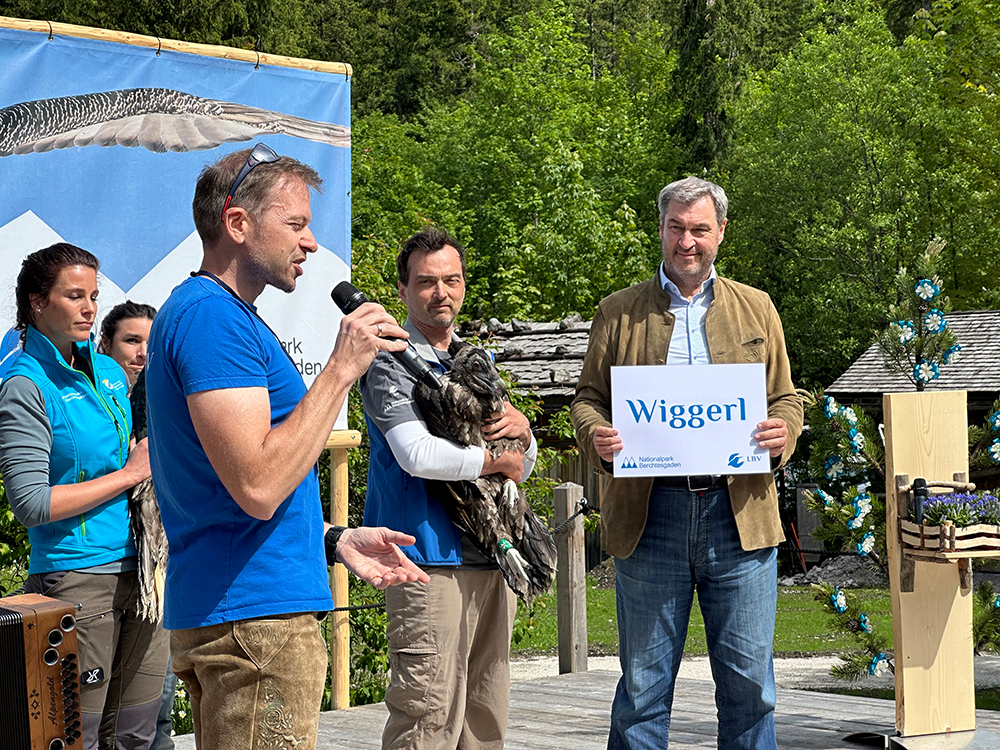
(234, 438)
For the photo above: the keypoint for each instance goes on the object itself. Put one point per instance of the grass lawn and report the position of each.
(986, 698)
(800, 628)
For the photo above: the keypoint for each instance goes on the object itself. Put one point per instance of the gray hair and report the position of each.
(692, 189)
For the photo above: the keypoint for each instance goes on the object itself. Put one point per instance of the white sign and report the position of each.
(678, 420)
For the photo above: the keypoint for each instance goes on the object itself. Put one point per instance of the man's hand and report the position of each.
(773, 435)
(509, 423)
(607, 443)
(373, 556)
(362, 337)
(508, 463)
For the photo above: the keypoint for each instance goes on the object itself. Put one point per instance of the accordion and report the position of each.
(39, 674)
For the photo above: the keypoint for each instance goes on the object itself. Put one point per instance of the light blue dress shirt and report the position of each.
(689, 342)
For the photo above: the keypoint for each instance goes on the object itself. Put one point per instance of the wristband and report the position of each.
(330, 540)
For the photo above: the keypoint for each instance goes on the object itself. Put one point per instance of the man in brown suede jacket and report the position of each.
(672, 536)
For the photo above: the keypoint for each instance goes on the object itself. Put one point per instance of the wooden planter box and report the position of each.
(962, 541)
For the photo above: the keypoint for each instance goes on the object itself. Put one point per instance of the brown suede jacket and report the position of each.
(633, 327)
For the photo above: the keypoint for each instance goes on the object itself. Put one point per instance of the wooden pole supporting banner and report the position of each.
(340, 646)
(926, 435)
(571, 581)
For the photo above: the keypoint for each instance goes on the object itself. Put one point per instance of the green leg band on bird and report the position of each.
(504, 545)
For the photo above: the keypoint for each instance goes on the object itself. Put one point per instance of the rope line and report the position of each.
(584, 509)
(357, 607)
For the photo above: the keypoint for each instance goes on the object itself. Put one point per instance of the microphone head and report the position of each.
(348, 297)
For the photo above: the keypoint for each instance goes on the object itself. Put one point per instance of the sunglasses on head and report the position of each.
(261, 153)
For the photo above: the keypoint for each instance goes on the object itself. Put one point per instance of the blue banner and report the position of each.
(101, 144)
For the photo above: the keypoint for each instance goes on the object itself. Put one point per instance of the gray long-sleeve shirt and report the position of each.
(25, 446)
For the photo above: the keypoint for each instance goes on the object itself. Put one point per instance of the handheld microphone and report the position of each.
(349, 298)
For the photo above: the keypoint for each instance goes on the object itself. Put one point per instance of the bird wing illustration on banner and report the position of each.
(156, 119)
(492, 510)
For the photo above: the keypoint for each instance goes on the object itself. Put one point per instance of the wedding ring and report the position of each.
(378, 326)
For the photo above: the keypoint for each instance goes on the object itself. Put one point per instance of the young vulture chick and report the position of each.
(491, 510)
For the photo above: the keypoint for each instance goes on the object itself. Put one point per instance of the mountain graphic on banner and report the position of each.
(24, 235)
(307, 329)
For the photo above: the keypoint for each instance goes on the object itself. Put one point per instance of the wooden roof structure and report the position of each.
(544, 359)
(977, 369)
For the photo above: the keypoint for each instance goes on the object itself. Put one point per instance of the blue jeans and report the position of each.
(165, 721)
(691, 543)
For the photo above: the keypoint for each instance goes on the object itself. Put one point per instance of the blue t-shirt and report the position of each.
(224, 564)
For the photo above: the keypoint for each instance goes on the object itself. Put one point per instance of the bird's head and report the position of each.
(473, 368)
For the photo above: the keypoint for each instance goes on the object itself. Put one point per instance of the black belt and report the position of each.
(700, 483)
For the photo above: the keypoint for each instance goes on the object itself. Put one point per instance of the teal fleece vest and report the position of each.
(91, 424)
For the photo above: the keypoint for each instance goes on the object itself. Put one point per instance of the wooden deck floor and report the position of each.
(571, 712)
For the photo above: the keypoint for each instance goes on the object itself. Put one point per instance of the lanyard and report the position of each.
(247, 306)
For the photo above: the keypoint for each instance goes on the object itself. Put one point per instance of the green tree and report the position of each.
(545, 158)
(393, 196)
(719, 43)
(848, 162)
(265, 25)
(14, 548)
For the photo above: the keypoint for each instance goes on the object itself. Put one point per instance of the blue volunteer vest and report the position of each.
(91, 424)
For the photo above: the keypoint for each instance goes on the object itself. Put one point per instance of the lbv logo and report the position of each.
(736, 460)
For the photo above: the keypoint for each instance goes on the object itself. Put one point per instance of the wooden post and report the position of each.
(340, 645)
(571, 581)
(926, 435)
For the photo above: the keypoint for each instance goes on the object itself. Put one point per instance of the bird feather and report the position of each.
(144, 519)
(491, 508)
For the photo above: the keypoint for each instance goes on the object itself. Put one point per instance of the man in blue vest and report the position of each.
(449, 639)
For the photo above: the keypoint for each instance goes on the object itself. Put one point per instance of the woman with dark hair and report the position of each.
(67, 463)
(124, 333)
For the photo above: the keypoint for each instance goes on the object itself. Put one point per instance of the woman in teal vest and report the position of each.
(67, 462)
